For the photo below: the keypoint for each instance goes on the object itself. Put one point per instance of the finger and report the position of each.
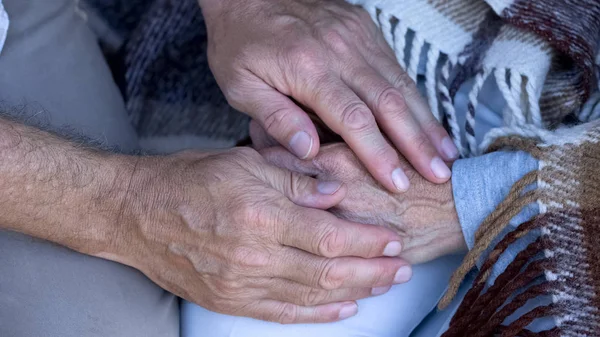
(303, 190)
(347, 115)
(321, 233)
(288, 313)
(296, 293)
(397, 120)
(282, 158)
(281, 119)
(342, 272)
(260, 138)
(388, 67)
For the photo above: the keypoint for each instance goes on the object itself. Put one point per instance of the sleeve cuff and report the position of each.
(479, 184)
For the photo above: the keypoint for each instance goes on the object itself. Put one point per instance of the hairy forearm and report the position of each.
(58, 190)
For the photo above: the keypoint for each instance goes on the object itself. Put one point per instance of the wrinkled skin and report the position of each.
(236, 235)
(425, 216)
(274, 60)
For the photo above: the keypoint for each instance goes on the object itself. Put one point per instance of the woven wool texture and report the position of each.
(563, 263)
(162, 69)
(542, 55)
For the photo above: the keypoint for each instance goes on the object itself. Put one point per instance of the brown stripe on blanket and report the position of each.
(562, 93)
(466, 13)
(563, 263)
(572, 27)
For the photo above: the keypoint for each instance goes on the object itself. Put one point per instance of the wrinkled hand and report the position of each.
(274, 58)
(229, 232)
(424, 217)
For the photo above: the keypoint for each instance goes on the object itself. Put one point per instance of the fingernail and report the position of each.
(328, 187)
(439, 168)
(403, 275)
(400, 179)
(392, 249)
(301, 144)
(449, 149)
(348, 310)
(380, 290)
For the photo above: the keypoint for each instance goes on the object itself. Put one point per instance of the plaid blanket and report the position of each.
(542, 55)
(162, 69)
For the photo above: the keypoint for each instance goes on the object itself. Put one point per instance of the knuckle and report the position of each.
(356, 21)
(307, 60)
(287, 314)
(362, 17)
(390, 103)
(334, 158)
(432, 127)
(380, 276)
(332, 243)
(296, 184)
(421, 143)
(357, 117)
(226, 289)
(335, 41)
(401, 81)
(313, 296)
(248, 258)
(246, 213)
(384, 150)
(330, 277)
(274, 120)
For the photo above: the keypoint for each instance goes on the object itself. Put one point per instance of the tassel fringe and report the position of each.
(486, 307)
(518, 91)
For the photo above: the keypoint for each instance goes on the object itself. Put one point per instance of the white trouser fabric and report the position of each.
(393, 314)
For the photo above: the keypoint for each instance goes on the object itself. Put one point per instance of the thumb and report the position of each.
(302, 189)
(283, 120)
(260, 138)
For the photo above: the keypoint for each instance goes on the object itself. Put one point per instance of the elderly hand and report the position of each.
(424, 217)
(274, 58)
(236, 235)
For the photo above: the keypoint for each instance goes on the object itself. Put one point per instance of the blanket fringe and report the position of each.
(433, 57)
(480, 79)
(437, 79)
(519, 92)
(449, 112)
(491, 227)
(488, 305)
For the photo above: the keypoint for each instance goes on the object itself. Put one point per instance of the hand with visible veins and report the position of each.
(236, 235)
(226, 230)
(274, 58)
(424, 217)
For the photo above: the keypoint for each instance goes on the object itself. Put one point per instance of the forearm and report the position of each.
(58, 190)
